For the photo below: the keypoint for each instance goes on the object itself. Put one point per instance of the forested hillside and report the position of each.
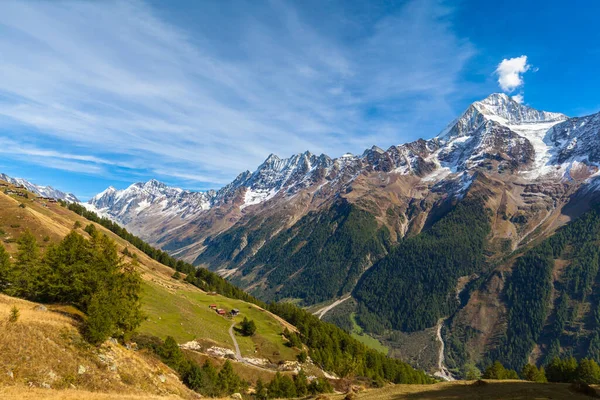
(415, 285)
(320, 257)
(553, 297)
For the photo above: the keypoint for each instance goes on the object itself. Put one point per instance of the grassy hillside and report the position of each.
(174, 308)
(43, 349)
(187, 316)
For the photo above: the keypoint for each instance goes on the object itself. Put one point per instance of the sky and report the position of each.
(190, 92)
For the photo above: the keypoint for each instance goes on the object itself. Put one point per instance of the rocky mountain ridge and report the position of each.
(496, 132)
(44, 191)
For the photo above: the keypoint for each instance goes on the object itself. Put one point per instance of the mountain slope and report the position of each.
(43, 349)
(314, 229)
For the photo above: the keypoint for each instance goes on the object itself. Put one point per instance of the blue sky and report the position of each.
(99, 93)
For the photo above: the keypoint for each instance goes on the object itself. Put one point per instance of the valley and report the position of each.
(398, 229)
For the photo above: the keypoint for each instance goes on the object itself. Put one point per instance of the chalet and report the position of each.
(220, 311)
(235, 312)
(213, 306)
(212, 293)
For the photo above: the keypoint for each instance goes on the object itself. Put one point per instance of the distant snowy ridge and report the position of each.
(44, 191)
(497, 130)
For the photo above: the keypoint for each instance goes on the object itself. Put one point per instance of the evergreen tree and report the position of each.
(99, 323)
(320, 385)
(532, 373)
(5, 269)
(594, 347)
(562, 370)
(471, 372)
(282, 386)
(26, 267)
(248, 327)
(302, 357)
(588, 372)
(210, 386)
(261, 392)
(497, 371)
(128, 300)
(192, 376)
(171, 354)
(229, 382)
(301, 383)
(91, 229)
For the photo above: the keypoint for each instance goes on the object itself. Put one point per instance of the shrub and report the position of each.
(14, 314)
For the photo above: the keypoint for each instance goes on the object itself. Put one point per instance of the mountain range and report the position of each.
(409, 244)
(494, 136)
(44, 191)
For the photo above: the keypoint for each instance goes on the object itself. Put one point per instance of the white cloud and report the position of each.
(510, 73)
(518, 98)
(117, 79)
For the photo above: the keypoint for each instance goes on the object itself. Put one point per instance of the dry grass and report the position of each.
(468, 390)
(44, 350)
(21, 393)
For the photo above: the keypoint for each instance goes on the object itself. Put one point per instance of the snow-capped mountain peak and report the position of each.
(44, 191)
(501, 108)
(152, 197)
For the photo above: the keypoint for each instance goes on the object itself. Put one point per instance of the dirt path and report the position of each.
(321, 312)
(238, 353)
(442, 370)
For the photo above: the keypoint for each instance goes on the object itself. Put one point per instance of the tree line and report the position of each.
(558, 370)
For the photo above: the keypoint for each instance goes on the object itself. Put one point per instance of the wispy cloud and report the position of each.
(116, 84)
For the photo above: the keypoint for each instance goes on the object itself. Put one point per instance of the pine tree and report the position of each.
(588, 372)
(471, 372)
(27, 261)
(229, 382)
(248, 328)
(172, 354)
(532, 373)
(562, 370)
(5, 268)
(211, 379)
(495, 371)
(261, 392)
(282, 386)
(100, 318)
(301, 383)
